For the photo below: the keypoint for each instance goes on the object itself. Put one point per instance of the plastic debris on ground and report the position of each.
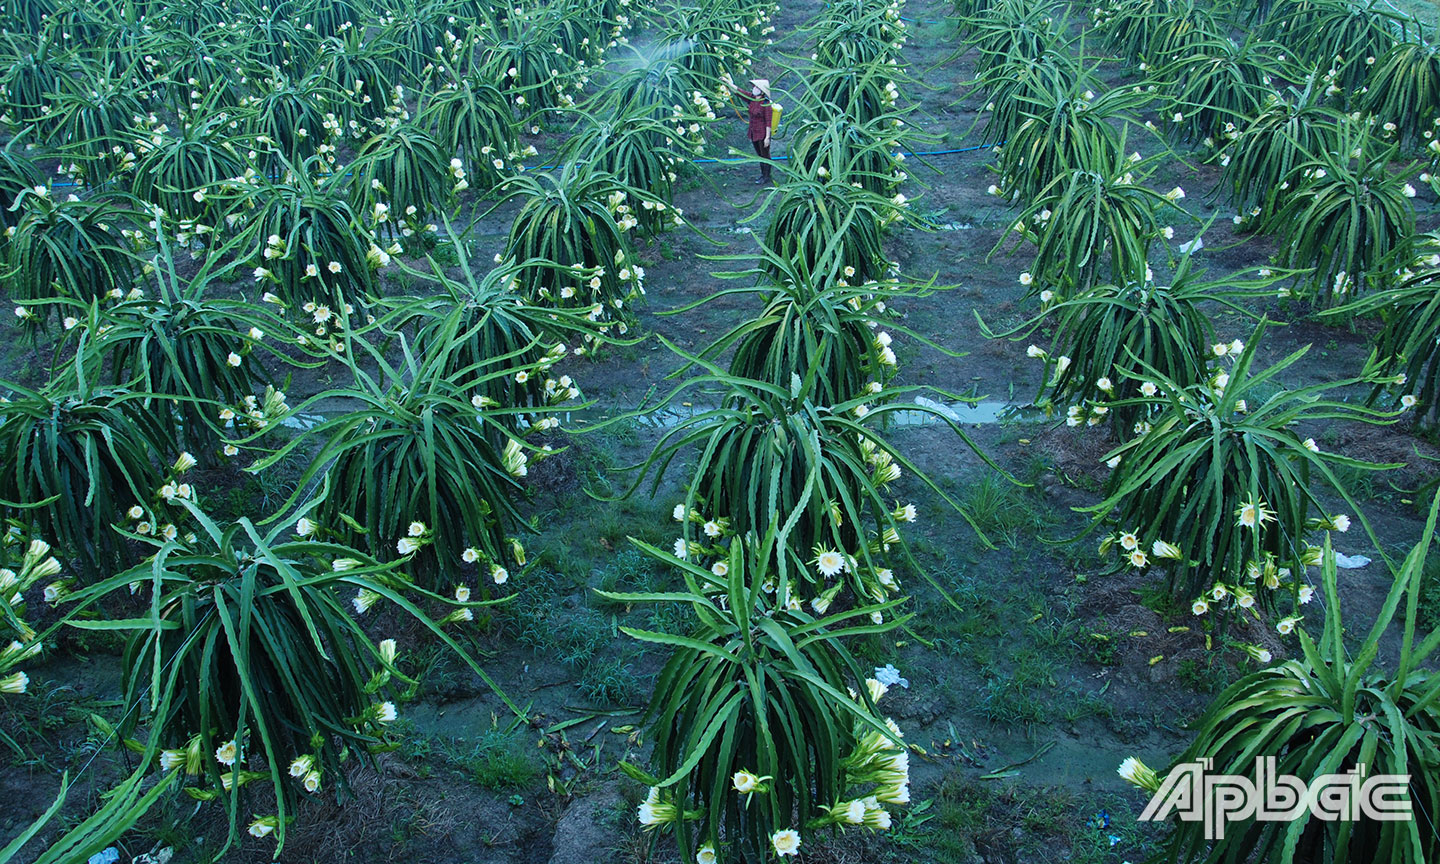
(1350, 562)
(890, 676)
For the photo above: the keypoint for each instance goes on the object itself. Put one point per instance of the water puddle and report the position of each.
(672, 416)
(956, 412)
(302, 420)
(962, 413)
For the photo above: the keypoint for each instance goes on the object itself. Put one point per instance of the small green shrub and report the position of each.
(251, 666)
(288, 117)
(32, 66)
(520, 59)
(858, 33)
(1218, 490)
(757, 744)
(645, 154)
(1063, 131)
(814, 327)
(471, 120)
(1006, 31)
(197, 355)
(420, 470)
(1407, 345)
(864, 153)
(818, 475)
(570, 238)
(404, 170)
(363, 70)
(831, 230)
(310, 247)
(1341, 39)
(1154, 32)
(1143, 325)
(483, 330)
(90, 118)
(66, 248)
(1403, 89)
(181, 170)
(1090, 225)
(1010, 86)
(860, 94)
(76, 460)
(608, 681)
(1314, 715)
(18, 174)
(1347, 218)
(1261, 158)
(1219, 84)
(503, 761)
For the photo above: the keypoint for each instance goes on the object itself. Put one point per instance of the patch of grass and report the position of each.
(1101, 647)
(1006, 513)
(442, 675)
(1364, 485)
(987, 502)
(1086, 704)
(608, 682)
(1077, 557)
(1129, 726)
(962, 808)
(1098, 644)
(589, 538)
(578, 637)
(1035, 466)
(673, 618)
(629, 571)
(574, 638)
(980, 820)
(253, 493)
(40, 729)
(1033, 669)
(1422, 9)
(1162, 602)
(1056, 635)
(276, 483)
(527, 617)
(379, 811)
(1209, 676)
(1004, 701)
(977, 619)
(445, 254)
(168, 824)
(502, 761)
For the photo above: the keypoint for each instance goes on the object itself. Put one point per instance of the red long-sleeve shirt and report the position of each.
(759, 118)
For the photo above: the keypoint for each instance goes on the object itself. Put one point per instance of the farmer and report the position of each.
(757, 103)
